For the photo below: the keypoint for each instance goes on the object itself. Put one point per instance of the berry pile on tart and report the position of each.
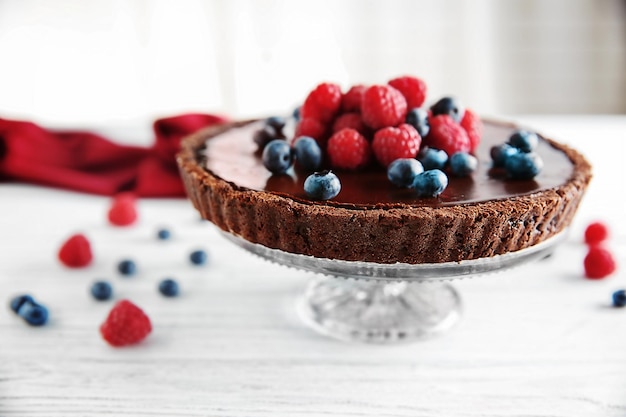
(374, 174)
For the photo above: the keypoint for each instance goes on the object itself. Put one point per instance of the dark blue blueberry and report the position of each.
(430, 183)
(524, 141)
(101, 290)
(499, 154)
(296, 113)
(17, 302)
(322, 185)
(449, 106)
(265, 135)
(163, 234)
(432, 158)
(308, 153)
(276, 122)
(198, 257)
(169, 288)
(418, 118)
(463, 164)
(523, 166)
(127, 267)
(34, 314)
(402, 172)
(619, 298)
(278, 156)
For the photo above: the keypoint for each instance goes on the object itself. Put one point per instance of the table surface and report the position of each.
(538, 340)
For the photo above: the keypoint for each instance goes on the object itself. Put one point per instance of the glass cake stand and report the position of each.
(387, 303)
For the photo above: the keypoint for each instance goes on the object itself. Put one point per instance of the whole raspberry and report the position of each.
(312, 128)
(473, 127)
(322, 103)
(123, 210)
(350, 121)
(599, 263)
(76, 252)
(595, 233)
(447, 135)
(348, 149)
(351, 100)
(383, 106)
(125, 325)
(413, 89)
(391, 143)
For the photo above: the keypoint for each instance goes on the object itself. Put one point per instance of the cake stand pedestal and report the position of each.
(387, 303)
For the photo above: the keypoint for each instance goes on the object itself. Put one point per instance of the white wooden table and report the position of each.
(539, 340)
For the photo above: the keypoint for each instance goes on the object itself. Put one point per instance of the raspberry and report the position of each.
(350, 121)
(447, 135)
(348, 149)
(351, 101)
(383, 106)
(473, 127)
(595, 233)
(391, 143)
(322, 103)
(125, 325)
(413, 89)
(76, 252)
(598, 263)
(123, 211)
(312, 128)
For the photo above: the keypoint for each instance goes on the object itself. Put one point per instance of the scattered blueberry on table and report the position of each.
(198, 257)
(33, 313)
(619, 298)
(127, 267)
(101, 290)
(169, 287)
(164, 234)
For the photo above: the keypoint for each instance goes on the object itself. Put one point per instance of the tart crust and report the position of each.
(387, 234)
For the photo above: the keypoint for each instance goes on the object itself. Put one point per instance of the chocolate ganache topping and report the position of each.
(234, 157)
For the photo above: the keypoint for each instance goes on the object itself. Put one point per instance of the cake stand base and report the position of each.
(379, 312)
(388, 303)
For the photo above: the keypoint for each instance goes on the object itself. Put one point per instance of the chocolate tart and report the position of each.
(371, 220)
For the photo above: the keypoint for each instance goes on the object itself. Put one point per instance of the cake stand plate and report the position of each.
(387, 303)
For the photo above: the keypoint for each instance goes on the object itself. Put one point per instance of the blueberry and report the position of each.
(169, 288)
(523, 166)
(463, 164)
(276, 122)
(17, 302)
(163, 234)
(418, 118)
(296, 113)
(35, 314)
(101, 290)
(198, 257)
(449, 106)
(127, 267)
(432, 158)
(322, 185)
(265, 135)
(278, 156)
(402, 172)
(430, 183)
(499, 154)
(308, 153)
(619, 298)
(524, 141)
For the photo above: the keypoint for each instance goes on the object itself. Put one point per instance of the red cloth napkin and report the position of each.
(87, 162)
